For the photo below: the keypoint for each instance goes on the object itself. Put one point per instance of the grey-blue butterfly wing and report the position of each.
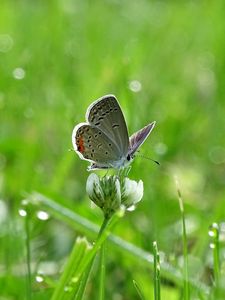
(106, 115)
(138, 138)
(93, 145)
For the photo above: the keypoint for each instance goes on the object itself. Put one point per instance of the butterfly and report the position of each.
(103, 139)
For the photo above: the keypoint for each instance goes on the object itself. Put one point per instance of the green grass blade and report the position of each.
(214, 245)
(78, 222)
(83, 282)
(69, 280)
(28, 253)
(102, 273)
(138, 290)
(156, 272)
(185, 248)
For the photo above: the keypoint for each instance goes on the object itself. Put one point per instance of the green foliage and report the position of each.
(56, 57)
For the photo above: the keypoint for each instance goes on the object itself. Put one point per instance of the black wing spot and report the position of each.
(96, 135)
(115, 125)
(99, 133)
(100, 118)
(106, 152)
(99, 145)
(97, 123)
(93, 150)
(115, 109)
(110, 144)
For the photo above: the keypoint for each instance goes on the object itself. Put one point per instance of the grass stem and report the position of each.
(186, 284)
(102, 272)
(28, 254)
(214, 245)
(156, 272)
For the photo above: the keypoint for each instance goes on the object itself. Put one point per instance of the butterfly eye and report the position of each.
(128, 157)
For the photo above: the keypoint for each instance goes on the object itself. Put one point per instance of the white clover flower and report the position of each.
(111, 192)
(132, 193)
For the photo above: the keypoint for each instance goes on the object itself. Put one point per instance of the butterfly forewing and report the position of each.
(106, 115)
(92, 144)
(138, 138)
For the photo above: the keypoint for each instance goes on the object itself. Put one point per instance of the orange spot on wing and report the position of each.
(80, 145)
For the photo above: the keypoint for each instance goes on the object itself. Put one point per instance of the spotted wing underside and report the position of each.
(106, 114)
(93, 145)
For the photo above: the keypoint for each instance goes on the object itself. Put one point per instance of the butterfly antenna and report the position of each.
(148, 158)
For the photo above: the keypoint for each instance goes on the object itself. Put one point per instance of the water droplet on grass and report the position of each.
(42, 215)
(212, 245)
(68, 289)
(39, 278)
(22, 212)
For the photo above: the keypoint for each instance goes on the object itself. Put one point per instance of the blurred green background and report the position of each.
(164, 61)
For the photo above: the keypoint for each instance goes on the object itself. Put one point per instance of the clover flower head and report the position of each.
(111, 192)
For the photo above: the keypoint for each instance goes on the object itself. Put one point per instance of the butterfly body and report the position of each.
(103, 139)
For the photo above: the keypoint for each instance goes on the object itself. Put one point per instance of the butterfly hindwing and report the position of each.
(93, 145)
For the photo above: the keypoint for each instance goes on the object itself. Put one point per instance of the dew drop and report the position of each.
(213, 230)
(158, 266)
(211, 233)
(39, 278)
(42, 215)
(22, 212)
(131, 208)
(68, 289)
(74, 279)
(24, 202)
(212, 245)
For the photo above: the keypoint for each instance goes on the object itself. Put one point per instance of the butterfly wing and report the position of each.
(93, 145)
(138, 138)
(105, 114)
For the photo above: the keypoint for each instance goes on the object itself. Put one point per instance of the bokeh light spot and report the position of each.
(135, 86)
(19, 73)
(6, 43)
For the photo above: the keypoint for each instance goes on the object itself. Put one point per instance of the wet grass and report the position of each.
(164, 62)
